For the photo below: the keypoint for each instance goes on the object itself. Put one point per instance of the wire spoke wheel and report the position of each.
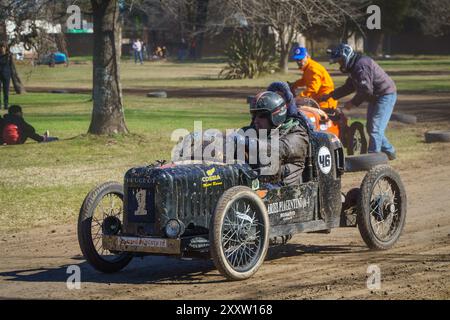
(242, 235)
(384, 209)
(102, 204)
(110, 206)
(239, 233)
(381, 208)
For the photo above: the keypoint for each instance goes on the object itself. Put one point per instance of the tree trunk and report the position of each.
(62, 43)
(376, 43)
(202, 16)
(312, 47)
(19, 88)
(284, 46)
(284, 61)
(108, 114)
(3, 34)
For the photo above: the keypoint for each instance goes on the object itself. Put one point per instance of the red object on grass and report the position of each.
(11, 134)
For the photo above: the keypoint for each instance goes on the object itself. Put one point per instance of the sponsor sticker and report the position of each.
(287, 215)
(142, 242)
(212, 180)
(287, 206)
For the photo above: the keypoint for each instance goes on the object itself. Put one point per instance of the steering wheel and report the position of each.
(307, 102)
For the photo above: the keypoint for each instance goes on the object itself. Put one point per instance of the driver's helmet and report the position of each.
(271, 104)
(344, 51)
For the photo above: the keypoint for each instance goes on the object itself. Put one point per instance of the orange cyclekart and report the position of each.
(334, 121)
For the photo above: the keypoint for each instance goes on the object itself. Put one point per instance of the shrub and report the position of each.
(251, 54)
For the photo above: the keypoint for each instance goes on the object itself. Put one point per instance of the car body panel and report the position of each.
(189, 193)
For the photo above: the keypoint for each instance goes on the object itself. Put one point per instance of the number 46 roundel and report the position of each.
(324, 160)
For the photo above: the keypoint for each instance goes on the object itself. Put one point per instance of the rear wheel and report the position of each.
(102, 208)
(239, 233)
(357, 141)
(381, 208)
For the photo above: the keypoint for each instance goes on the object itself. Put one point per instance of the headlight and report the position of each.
(111, 226)
(174, 228)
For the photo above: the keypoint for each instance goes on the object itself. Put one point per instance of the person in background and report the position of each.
(15, 130)
(137, 48)
(282, 88)
(193, 49)
(145, 51)
(5, 73)
(371, 84)
(183, 50)
(159, 52)
(316, 80)
(165, 53)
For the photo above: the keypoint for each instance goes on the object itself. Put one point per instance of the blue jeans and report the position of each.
(138, 56)
(182, 54)
(5, 80)
(378, 116)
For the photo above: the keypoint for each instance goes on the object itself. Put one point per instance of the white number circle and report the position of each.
(324, 159)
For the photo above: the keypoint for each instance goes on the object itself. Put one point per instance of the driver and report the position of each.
(316, 80)
(269, 111)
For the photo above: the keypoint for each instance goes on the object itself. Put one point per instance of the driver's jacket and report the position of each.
(293, 150)
(317, 82)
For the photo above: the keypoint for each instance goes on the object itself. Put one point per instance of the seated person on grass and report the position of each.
(15, 130)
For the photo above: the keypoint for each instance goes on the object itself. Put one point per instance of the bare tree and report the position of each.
(16, 11)
(108, 114)
(30, 20)
(19, 88)
(287, 18)
(194, 19)
(435, 15)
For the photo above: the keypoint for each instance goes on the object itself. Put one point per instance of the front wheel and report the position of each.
(381, 208)
(239, 233)
(102, 205)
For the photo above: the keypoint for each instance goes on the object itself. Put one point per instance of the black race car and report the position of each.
(223, 211)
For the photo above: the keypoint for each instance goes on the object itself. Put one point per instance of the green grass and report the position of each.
(205, 75)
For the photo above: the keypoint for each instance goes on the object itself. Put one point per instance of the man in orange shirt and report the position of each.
(316, 79)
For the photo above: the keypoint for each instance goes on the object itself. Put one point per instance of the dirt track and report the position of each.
(33, 264)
